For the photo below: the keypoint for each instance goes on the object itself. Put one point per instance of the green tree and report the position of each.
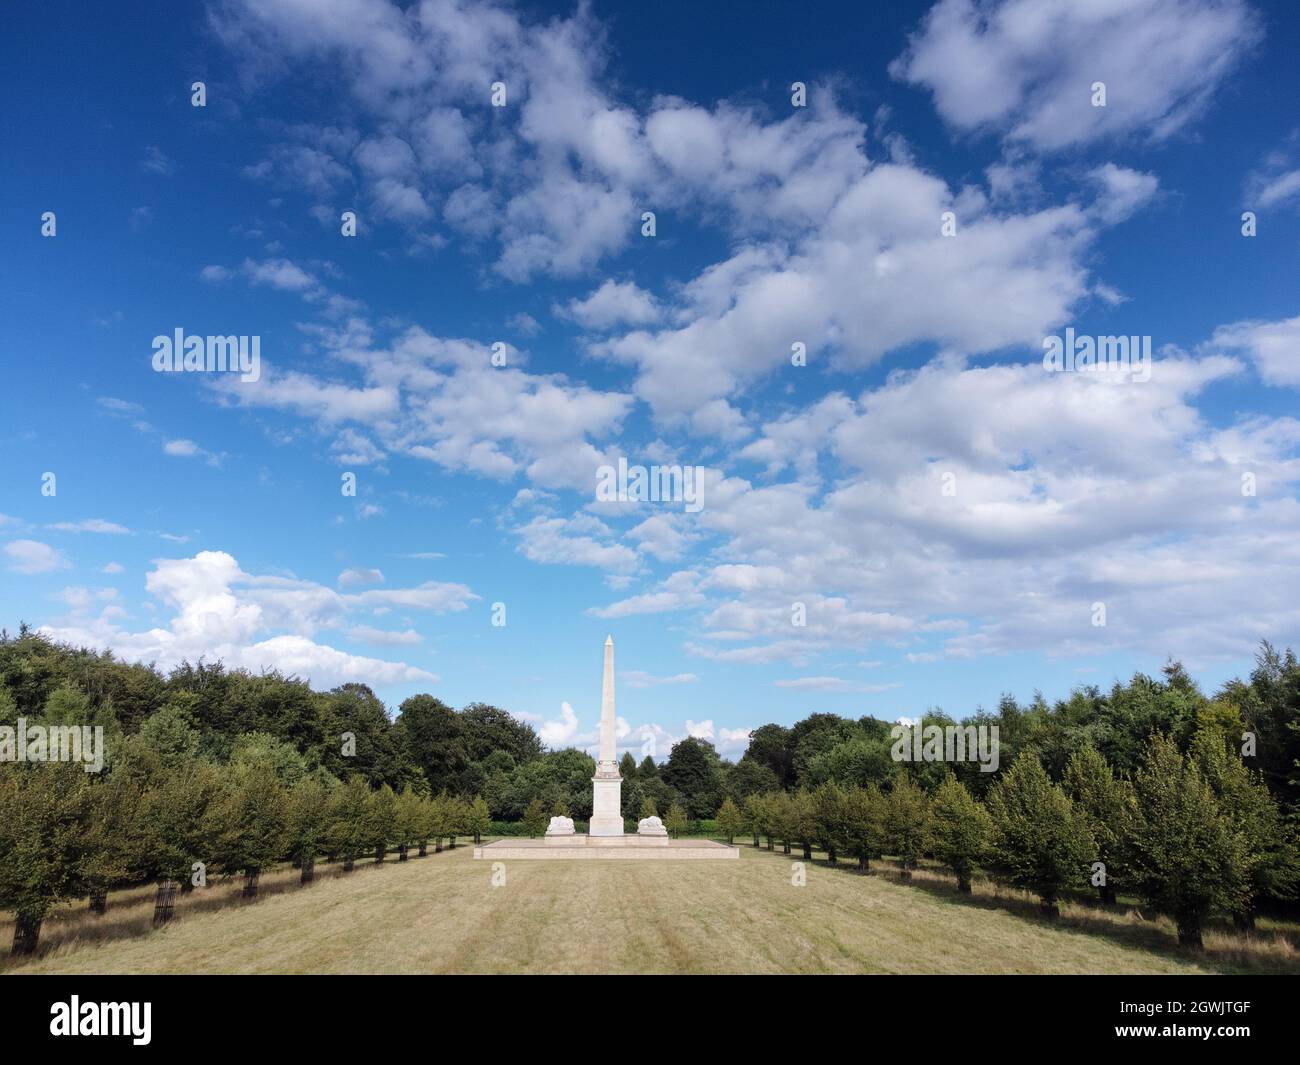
(175, 815)
(48, 843)
(865, 814)
(758, 807)
(731, 821)
(407, 813)
(535, 817)
(306, 823)
(380, 820)
(961, 832)
(1040, 842)
(648, 808)
(248, 823)
(1106, 804)
(346, 824)
(676, 820)
(831, 825)
(907, 821)
(695, 770)
(1186, 859)
(478, 818)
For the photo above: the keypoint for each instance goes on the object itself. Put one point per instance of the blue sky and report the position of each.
(196, 514)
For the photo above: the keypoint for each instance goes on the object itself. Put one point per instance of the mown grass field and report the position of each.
(440, 914)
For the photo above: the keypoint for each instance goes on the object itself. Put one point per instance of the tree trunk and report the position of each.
(347, 864)
(187, 885)
(401, 852)
(769, 842)
(1107, 893)
(807, 852)
(437, 845)
(250, 884)
(864, 863)
(163, 903)
(27, 933)
(1244, 920)
(380, 851)
(1048, 908)
(451, 843)
(478, 837)
(963, 883)
(1189, 930)
(99, 902)
(424, 847)
(308, 871)
(831, 855)
(785, 847)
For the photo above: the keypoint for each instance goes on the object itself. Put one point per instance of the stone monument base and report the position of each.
(619, 848)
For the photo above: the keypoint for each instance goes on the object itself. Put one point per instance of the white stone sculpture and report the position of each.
(650, 826)
(560, 826)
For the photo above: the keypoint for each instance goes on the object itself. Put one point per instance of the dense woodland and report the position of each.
(239, 771)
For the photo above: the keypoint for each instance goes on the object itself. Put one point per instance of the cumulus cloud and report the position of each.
(31, 557)
(1025, 68)
(218, 611)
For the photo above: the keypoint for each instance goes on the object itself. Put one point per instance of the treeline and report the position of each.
(1193, 836)
(167, 815)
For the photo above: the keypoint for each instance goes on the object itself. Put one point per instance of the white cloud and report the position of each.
(635, 678)
(92, 525)
(257, 622)
(31, 557)
(351, 577)
(1025, 68)
(560, 733)
(613, 304)
(1274, 347)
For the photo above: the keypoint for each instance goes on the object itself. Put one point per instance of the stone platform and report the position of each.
(606, 848)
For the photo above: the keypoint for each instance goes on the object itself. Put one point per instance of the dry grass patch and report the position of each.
(440, 914)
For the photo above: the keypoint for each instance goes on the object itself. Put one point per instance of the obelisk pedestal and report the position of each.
(607, 785)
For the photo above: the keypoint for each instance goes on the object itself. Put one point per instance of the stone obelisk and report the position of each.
(607, 785)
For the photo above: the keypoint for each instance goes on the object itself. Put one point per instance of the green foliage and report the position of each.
(1106, 805)
(536, 817)
(907, 821)
(865, 815)
(1040, 842)
(1186, 858)
(695, 770)
(49, 849)
(346, 828)
(247, 821)
(831, 820)
(960, 829)
(676, 819)
(731, 821)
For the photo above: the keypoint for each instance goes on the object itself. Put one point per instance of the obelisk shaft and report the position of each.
(606, 786)
(607, 750)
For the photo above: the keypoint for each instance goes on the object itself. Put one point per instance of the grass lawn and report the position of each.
(440, 914)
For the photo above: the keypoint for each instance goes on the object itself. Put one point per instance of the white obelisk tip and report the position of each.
(609, 640)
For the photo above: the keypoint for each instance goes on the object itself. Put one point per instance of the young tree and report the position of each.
(730, 820)
(457, 819)
(424, 823)
(648, 808)
(1040, 843)
(381, 817)
(830, 820)
(1268, 841)
(535, 818)
(248, 823)
(478, 818)
(961, 830)
(346, 831)
(118, 835)
(865, 813)
(177, 828)
(798, 816)
(1106, 804)
(907, 821)
(1186, 859)
(48, 851)
(406, 821)
(675, 821)
(760, 808)
(307, 817)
